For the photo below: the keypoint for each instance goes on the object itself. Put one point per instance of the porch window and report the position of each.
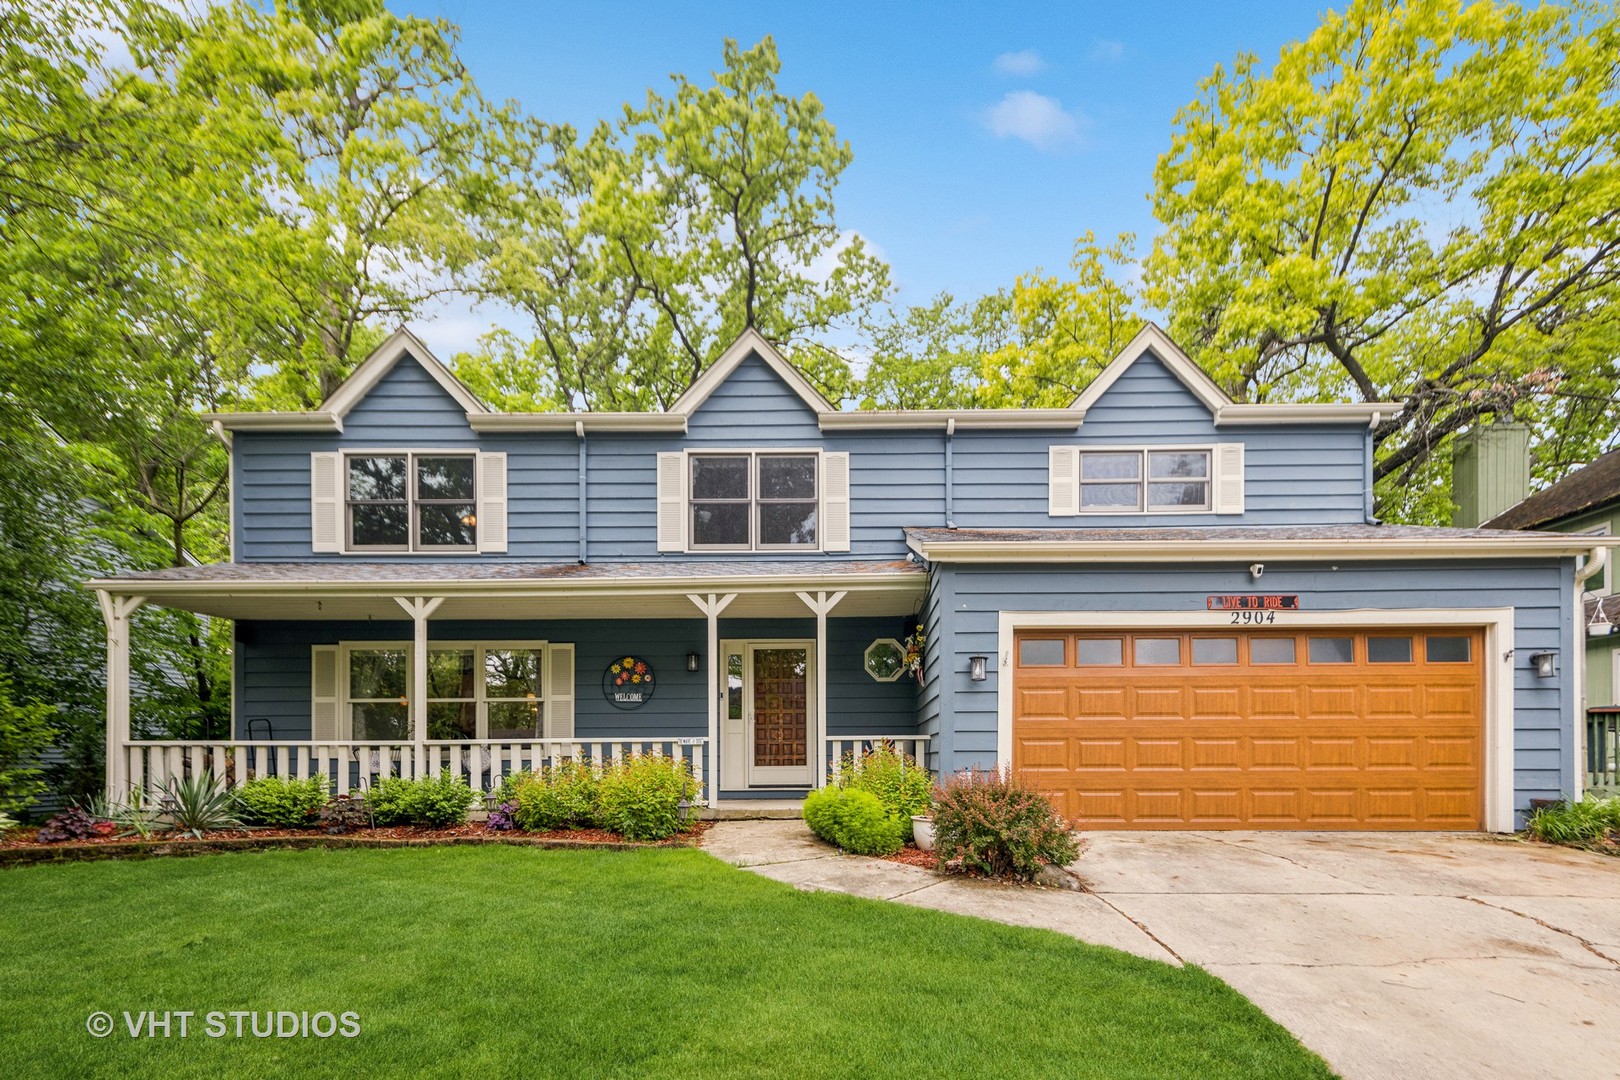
(1117, 481)
(412, 502)
(754, 501)
(488, 690)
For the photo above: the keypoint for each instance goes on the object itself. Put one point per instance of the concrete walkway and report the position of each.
(1391, 955)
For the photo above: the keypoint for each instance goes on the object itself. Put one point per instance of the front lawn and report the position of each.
(495, 962)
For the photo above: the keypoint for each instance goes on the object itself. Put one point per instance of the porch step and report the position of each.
(753, 810)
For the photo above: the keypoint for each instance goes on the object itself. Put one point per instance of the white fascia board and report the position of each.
(1139, 551)
(277, 421)
(566, 422)
(158, 591)
(1337, 412)
(1151, 338)
(400, 344)
(940, 419)
(749, 341)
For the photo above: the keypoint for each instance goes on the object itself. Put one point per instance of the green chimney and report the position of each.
(1490, 471)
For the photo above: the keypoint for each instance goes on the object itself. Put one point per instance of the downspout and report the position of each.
(950, 483)
(584, 532)
(230, 535)
(1368, 499)
(1595, 563)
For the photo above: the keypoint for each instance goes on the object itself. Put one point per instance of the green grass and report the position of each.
(495, 962)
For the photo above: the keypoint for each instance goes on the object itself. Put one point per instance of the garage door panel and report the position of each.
(1301, 745)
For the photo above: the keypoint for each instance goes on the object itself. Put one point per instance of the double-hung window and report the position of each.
(1125, 481)
(754, 501)
(412, 501)
(475, 691)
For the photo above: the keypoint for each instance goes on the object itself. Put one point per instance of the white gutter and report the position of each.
(940, 419)
(277, 421)
(1322, 412)
(566, 421)
(988, 551)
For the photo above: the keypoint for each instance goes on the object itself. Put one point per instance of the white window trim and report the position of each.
(754, 453)
(480, 697)
(1496, 662)
(346, 544)
(866, 660)
(1143, 450)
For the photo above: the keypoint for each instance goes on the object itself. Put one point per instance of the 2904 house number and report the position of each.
(1253, 618)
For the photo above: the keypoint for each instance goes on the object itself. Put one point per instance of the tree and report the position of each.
(1418, 202)
(931, 356)
(657, 240)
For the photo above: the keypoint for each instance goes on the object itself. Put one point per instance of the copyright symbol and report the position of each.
(99, 1024)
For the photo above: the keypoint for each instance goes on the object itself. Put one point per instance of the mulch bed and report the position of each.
(20, 848)
(912, 856)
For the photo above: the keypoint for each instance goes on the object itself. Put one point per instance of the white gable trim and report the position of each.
(400, 344)
(1151, 339)
(749, 342)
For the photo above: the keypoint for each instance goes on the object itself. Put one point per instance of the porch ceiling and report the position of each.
(354, 591)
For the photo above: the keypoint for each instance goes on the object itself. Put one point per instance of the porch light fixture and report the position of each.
(976, 668)
(1545, 664)
(691, 661)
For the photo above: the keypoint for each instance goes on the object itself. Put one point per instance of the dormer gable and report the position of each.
(1153, 346)
(750, 344)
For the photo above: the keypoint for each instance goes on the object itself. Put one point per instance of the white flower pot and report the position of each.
(922, 828)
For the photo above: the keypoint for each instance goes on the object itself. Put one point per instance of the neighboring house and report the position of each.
(1163, 608)
(1586, 503)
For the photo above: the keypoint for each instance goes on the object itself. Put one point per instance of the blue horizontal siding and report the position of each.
(1538, 591)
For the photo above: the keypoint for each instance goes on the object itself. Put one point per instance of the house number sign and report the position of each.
(628, 682)
(1250, 609)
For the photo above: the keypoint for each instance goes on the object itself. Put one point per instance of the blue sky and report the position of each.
(986, 136)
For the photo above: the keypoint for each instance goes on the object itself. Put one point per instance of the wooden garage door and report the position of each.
(1326, 729)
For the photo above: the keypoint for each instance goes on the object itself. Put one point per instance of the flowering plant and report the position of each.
(913, 645)
(631, 671)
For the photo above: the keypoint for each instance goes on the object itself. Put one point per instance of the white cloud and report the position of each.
(1106, 52)
(1025, 62)
(1037, 119)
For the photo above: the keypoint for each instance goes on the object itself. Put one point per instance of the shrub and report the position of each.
(992, 823)
(199, 805)
(345, 813)
(73, 823)
(435, 801)
(500, 818)
(287, 804)
(7, 823)
(640, 797)
(25, 732)
(137, 817)
(855, 820)
(1575, 822)
(902, 785)
(561, 796)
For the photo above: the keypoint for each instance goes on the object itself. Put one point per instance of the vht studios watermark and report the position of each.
(220, 1024)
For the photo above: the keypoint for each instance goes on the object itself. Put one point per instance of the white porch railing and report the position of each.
(858, 746)
(355, 765)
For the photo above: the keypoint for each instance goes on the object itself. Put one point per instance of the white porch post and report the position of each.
(820, 604)
(419, 608)
(116, 612)
(711, 607)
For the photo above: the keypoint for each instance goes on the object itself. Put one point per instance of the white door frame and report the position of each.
(1497, 664)
(737, 737)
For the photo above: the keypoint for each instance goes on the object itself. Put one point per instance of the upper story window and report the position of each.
(1123, 481)
(412, 502)
(754, 501)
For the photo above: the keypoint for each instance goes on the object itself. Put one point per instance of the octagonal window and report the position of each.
(885, 660)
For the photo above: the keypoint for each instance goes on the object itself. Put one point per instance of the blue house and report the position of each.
(1163, 608)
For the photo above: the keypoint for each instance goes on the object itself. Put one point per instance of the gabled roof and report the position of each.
(749, 343)
(1150, 340)
(1590, 487)
(384, 358)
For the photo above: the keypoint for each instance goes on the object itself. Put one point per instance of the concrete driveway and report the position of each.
(1419, 955)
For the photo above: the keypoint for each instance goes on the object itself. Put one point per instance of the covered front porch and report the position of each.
(756, 675)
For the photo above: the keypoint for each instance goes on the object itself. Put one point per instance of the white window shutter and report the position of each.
(326, 501)
(559, 691)
(1228, 494)
(323, 693)
(1062, 481)
(491, 502)
(835, 501)
(672, 502)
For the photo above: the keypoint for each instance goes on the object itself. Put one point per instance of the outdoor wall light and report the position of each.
(976, 668)
(691, 661)
(1545, 664)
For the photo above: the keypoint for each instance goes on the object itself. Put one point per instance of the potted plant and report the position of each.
(922, 831)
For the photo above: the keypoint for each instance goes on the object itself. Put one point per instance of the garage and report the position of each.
(1327, 728)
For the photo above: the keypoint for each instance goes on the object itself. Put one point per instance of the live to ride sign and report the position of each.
(1254, 602)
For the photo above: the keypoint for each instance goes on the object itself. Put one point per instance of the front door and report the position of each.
(777, 681)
